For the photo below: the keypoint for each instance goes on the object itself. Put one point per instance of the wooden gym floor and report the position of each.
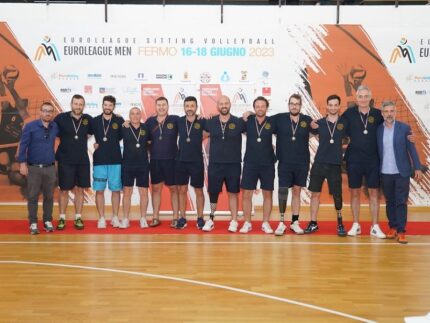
(213, 278)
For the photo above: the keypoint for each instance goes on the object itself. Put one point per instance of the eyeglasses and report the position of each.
(47, 111)
(294, 104)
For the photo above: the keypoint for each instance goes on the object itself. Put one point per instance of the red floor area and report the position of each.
(325, 228)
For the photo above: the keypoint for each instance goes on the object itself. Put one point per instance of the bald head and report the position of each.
(224, 105)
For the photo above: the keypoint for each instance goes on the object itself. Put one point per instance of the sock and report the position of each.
(339, 217)
(62, 216)
(313, 222)
(294, 218)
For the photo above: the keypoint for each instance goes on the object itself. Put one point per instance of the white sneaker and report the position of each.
(115, 222)
(143, 223)
(48, 226)
(295, 227)
(101, 223)
(125, 223)
(266, 228)
(376, 231)
(355, 229)
(209, 225)
(233, 226)
(280, 230)
(247, 226)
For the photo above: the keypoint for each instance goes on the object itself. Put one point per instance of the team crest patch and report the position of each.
(303, 124)
(371, 119)
(114, 125)
(197, 126)
(340, 126)
(85, 122)
(231, 126)
(267, 126)
(142, 132)
(170, 126)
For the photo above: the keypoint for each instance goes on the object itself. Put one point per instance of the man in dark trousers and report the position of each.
(37, 162)
(399, 161)
(73, 162)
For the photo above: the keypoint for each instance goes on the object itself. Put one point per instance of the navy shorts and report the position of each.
(357, 171)
(290, 175)
(320, 172)
(253, 172)
(218, 173)
(139, 174)
(71, 175)
(184, 171)
(162, 171)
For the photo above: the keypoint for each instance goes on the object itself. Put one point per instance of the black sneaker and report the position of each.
(61, 224)
(341, 230)
(312, 227)
(79, 224)
(200, 223)
(182, 223)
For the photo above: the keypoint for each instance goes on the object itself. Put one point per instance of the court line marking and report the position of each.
(226, 242)
(191, 281)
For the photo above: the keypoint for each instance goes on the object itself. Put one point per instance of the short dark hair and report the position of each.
(260, 98)
(77, 97)
(48, 104)
(190, 99)
(110, 99)
(333, 97)
(295, 96)
(162, 98)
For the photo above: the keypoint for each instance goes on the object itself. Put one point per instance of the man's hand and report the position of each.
(418, 175)
(126, 124)
(96, 145)
(314, 124)
(246, 115)
(23, 169)
(411, 137)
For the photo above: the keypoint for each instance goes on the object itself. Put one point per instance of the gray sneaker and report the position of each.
(48, 226)
(34, 229)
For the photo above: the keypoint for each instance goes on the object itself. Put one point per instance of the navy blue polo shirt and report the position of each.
(132, 155)
(165, 147)
(190, 151)
(328, 153)
(229, 149)
(108, 152)
(288, 150)
(37, 143)
(259, 152)
(72, 150)
(362, 147)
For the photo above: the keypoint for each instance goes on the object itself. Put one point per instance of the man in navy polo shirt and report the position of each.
(107, 160)
(259, 163)
(37, 158)
(292, 151)
(73, 162)
(362, 159)
(224, 160)
(135, 166)
(327, 163)
(163, 134)
(189, 161)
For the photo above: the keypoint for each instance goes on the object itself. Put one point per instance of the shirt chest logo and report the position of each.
(85, 122)
(303, 124)
(231, 126)
(142, 132)
(371, 119)
(197, 126)
(114, 126)
(268, 126)
(340, 126)
(170, 126)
